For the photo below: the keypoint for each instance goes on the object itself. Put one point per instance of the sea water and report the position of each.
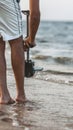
(53, 51)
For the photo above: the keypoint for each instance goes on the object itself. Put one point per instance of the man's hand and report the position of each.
(28, 43)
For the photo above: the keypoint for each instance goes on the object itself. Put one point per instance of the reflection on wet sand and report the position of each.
(17, 114)
(12, 114)
(49, 107)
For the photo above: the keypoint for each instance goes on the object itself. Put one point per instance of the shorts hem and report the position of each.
(9, 38)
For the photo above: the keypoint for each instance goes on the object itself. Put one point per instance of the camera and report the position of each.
(29, 68)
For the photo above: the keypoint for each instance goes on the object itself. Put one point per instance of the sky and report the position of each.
(53, 9)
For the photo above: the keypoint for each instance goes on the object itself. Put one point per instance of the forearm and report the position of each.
(33, 25)
(34, 19)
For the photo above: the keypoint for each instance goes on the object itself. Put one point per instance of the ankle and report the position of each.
(5, 98)
(21, 98)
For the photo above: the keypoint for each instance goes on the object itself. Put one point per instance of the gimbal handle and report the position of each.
(27, 13)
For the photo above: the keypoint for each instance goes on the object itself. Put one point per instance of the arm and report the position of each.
(34, 20)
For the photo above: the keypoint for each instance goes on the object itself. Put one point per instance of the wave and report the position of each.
(42, 40)
(55, 77)
(41, 57)
(64, 60)
(59, 60)
(58, 72)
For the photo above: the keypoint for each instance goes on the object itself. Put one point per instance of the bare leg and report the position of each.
(17, 58)
(4, 93)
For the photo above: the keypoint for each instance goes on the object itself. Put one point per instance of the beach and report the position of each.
(49, 106)
(49, 92)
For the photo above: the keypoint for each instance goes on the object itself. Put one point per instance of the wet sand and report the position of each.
(49, 107)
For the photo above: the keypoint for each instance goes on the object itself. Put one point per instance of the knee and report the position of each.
(17, 52)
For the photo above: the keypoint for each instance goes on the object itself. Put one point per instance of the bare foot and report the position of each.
(7, 101)
(21, 99)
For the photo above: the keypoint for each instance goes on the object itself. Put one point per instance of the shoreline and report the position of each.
(49, 106)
